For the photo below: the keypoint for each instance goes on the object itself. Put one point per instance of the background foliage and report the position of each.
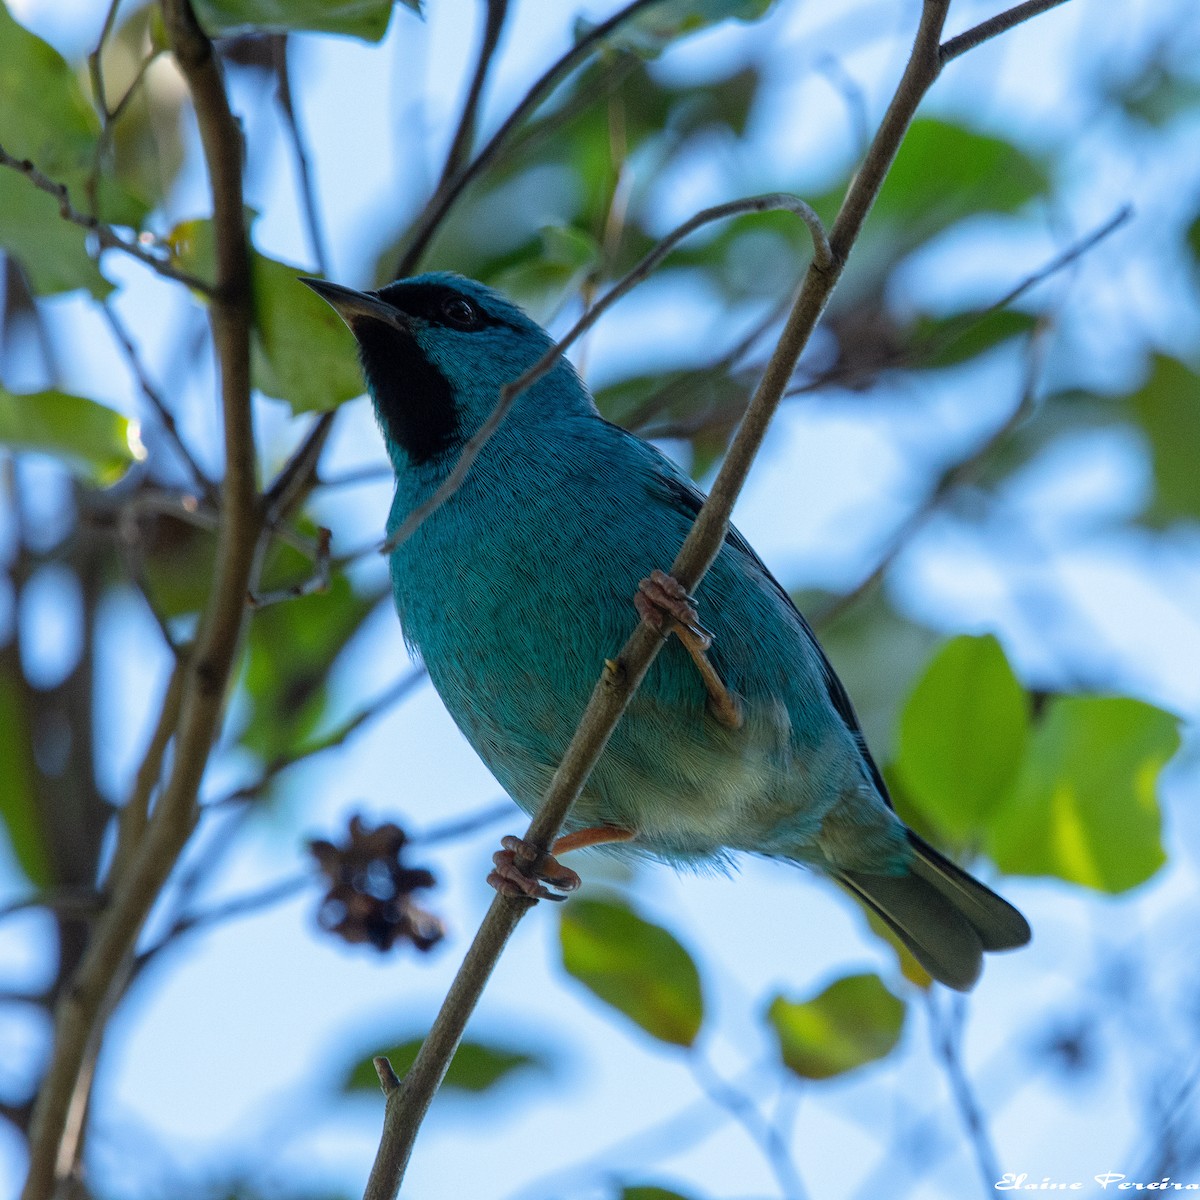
(983, 489)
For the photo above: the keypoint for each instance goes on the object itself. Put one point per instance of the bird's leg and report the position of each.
(521, 871)
(663, 602)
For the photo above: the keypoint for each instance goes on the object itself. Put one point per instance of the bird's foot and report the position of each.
(520, 870)
(663, 602)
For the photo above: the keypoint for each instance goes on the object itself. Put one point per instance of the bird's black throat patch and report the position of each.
(414, 399)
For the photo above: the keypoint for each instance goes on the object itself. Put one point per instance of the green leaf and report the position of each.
(648, 1191)
(44, 117)
(93, 440)
(962, 736)
(1084, 807)
(635, 966)
(945, 172)
(1167, 408)
(18, 789)
(854, 1021)
(293, 646)
(475, 1068)
(365, 19)
(1157, 95)
(650, 32)
(302, 352)
(541, 280)
(948, 341)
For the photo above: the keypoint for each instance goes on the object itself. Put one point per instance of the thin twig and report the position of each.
(460, 145)
(206, 671)
(374, 708)
(742, 1108)
(958, 473)
(446, 196)
(406, 1108)
(308, 195)
(994, 26)
(946, 1034)
(165, 416)
(822, 261)
(106, 236)
(449, 831)
(239, 906)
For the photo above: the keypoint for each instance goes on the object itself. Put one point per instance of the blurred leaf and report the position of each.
(475, 1068)
(648, 1191)
(560, 169)
(854, 1021)
(962, 735)
(1158, 95)
(1167, 408)
(293, 646)
(95, 441)
(303, 352)
(946, 172)
(18, 772)
(45, 117)
(948, 341)
(650, 32)
(1193, 239)
(636, 967)
(365, 19)
(148, 139)
(543, 279)
(877, 653)
(1085, 806)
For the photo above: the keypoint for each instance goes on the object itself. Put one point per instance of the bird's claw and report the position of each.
(520, 870)
(661, 597)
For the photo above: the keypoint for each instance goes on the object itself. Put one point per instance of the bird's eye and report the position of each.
(461, 313)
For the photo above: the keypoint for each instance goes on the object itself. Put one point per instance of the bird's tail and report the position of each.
(946, 918)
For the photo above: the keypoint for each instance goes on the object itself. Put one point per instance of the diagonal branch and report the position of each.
(822, 260)
(448, 193)
(993, 27)
(105, 235)
(406, 1107)
(464, 135)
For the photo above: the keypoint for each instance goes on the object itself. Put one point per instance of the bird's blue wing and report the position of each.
(677, 491)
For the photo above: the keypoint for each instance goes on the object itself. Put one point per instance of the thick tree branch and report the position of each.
(96, 986)
(407, 1106)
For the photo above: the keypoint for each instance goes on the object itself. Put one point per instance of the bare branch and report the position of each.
(460, 146)
(106, 236)
(446, 196)
(822, 262)
(742, 1108)
(946, 1031)
(308, 194)
(165, 416)
(204, 673)
(996, 25)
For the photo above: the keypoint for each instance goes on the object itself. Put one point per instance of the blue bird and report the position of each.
(516, 590)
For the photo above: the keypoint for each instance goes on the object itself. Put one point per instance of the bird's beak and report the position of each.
(351, 305)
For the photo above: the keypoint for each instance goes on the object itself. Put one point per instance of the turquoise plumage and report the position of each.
(518, 587)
